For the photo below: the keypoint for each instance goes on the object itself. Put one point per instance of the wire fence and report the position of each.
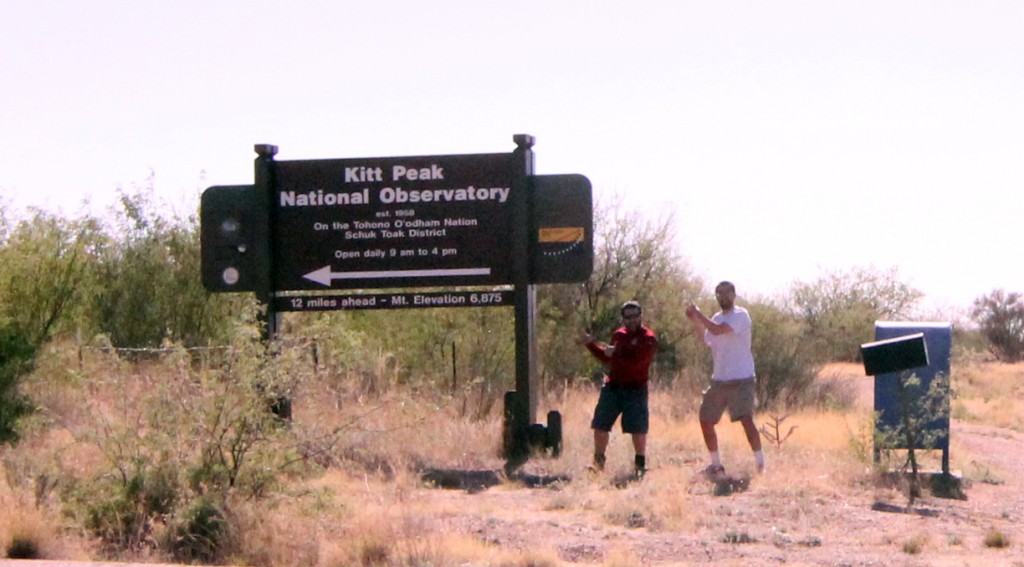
(153, 350)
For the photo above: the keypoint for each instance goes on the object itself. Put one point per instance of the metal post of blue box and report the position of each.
(938, 342)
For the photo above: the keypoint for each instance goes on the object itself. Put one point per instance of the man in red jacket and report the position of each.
(628, 358)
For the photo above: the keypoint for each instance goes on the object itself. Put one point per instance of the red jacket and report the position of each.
(631, 359)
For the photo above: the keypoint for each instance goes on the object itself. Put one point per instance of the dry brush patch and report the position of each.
(990, 393)
(358, 497)
(28, 531)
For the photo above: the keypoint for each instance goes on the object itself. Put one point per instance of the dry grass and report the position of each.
(368, 508)
(991, 393)
(367, 522)
(362, 502)
(31, 531)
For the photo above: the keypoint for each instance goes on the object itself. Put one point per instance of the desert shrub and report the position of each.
(120, 511)
(44, 263)
(29, 529)
(914, 545)
(1000, 315)
(43, 260)
(840, 308)
(738, 537)
(786, 366)
(145, 286)
(202, 535)
(16, 359)
(23, 548)
(223, 413)
(373, 552)
(969, 344)
(178, 443)
(922, 422)
(996, 539)
(139, 481)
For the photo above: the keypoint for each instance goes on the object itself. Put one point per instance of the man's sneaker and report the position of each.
(714, 471)
(639, 473)
(760, 468)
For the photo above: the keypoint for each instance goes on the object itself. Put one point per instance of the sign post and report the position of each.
(476, 220)
(521, 404)
(264, 232)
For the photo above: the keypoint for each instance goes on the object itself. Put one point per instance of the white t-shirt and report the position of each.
(733, 359)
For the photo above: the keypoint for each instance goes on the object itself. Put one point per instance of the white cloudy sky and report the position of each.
(789, 138)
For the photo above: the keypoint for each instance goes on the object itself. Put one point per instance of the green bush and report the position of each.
(786, 366)
(182, 443)
(145, 285)
(120, 511)
(839, 309)
(16, 359)
(921, 421)
(44, 263)
(43, 259)
(202, 535)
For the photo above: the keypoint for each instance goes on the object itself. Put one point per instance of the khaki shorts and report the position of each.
(737, 395)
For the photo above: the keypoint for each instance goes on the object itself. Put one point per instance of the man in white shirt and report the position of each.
(733, 384)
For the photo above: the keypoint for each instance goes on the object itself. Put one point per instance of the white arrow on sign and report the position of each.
(324, 275)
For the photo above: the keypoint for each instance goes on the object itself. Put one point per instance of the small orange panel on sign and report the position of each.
(561, 234)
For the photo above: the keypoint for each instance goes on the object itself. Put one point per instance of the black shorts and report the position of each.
(630, 403)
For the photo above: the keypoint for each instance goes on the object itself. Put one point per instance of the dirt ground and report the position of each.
(772, 526)
(773, 521)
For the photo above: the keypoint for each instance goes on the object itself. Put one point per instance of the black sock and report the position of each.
(641, 461)
(599, 459)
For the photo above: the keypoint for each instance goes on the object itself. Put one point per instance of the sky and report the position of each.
(786, 139)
